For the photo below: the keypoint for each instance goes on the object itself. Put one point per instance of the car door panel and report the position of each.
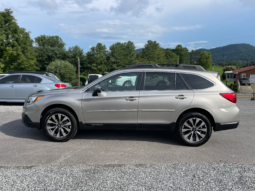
(8, 85)
(110, 107)
(162, 107)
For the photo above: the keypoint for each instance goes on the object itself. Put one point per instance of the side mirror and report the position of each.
(97, 89)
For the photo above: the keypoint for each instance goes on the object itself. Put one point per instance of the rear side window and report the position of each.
(159, 81)
(197, 82)
(38, 80)
(180, 85)
(27, 79)
(10, 79)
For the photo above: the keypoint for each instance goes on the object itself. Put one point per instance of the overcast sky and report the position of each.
(192, 23)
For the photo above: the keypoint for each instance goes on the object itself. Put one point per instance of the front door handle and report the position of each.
(180, 97)
(130, 99)
(35, 86)
(12, 86)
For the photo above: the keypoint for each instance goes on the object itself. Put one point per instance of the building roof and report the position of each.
(244, 69)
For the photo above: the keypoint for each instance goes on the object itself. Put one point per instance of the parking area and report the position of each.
(97, 156)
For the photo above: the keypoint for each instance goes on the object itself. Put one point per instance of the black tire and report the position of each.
(193, 139)
(64, 113)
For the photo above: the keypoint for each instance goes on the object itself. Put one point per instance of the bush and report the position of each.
(63, 70)
(235, 87)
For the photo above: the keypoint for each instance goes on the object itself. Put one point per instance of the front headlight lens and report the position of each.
(33, 99)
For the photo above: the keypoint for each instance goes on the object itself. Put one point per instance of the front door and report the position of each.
(116, 104)
(7, 87)
(163, 96)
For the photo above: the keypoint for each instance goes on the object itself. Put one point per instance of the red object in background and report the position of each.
(60, 85)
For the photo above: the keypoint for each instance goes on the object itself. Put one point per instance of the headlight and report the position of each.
(33, 99)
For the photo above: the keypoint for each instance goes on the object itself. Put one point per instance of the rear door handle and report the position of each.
(181, 97)
(130, 99)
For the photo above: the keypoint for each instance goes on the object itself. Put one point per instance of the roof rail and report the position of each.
(180, 66)
(13, 72)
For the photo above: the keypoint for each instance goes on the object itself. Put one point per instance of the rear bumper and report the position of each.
(226, 126)
(27, 122)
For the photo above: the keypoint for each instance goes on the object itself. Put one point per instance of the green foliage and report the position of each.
(183, 54)
(170, 57)
(49, 41)
(15, 45)
(63, 70)
(153, 53)
(96, 59)
(205, 60)
(194, 55)
(232, 53)
(121, 55)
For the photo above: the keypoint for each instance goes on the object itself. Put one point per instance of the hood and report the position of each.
(52, 92)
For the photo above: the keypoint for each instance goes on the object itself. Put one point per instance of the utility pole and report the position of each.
(78, 71)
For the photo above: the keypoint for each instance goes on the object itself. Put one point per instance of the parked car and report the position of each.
(17, 87)
(92, 77)
(191, 103)
(31, 72)
(245, 81)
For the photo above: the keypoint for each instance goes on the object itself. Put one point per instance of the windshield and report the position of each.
(245, 78)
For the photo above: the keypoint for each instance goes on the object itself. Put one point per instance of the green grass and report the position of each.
(220, 70)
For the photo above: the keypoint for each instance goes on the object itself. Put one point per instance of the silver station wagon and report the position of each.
(17, 87)
(191, 103)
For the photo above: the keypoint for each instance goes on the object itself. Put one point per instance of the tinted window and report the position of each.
(10, 80)
(120, 82)
(159, 81)
(180, 85)
(27, 79)
(38, 80)
(197, 82)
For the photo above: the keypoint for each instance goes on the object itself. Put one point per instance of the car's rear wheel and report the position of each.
(194, 129)
(59, 124)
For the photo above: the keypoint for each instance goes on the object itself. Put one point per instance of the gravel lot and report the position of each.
(113, 160)
(143, 177)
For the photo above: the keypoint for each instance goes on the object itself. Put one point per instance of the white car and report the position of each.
(92, 77)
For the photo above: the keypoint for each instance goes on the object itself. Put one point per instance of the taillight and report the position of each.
(60, 85)
(118, 77)
(229, 96)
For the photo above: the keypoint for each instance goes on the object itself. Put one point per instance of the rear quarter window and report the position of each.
(197, 82)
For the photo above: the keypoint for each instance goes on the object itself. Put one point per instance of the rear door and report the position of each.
(7, 86)
(28, 85)
(163, 96)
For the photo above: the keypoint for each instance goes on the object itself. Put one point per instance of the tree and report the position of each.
(96, 59)
(122, 54)
(205, 60)
(49, 41)
(46, 55)
(63, 70)
(171, 57)
(194, 56)
(183, 54)
(15, 45)
(153, 53)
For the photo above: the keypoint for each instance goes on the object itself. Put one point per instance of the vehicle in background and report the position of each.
(92, 77)
(31, 72)
(17, 87)
(245, 81)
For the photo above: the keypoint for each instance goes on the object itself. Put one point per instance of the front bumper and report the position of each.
(27, 122)
(226, 126)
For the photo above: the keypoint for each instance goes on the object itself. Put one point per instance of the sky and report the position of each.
(192, 23)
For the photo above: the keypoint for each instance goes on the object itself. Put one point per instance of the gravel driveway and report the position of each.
(113, 160)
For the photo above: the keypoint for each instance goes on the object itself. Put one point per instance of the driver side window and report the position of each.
(119, 82)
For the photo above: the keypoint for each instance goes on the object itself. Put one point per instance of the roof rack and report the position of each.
(180, 66)
(13, 72)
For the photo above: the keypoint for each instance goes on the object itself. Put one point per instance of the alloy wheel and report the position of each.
(59, 125)
(194, 130)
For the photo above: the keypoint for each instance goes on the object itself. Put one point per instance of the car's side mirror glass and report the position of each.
(97, 90)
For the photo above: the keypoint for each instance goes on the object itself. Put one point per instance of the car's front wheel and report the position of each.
(194, 129)
(59, 124)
